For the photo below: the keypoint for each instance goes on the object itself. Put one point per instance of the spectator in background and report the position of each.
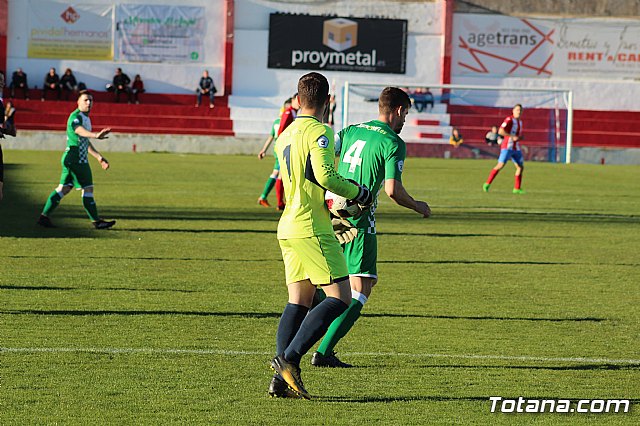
(9, 123)
(51, 83)
(492, 137)
(422, 98)
(120, 84)
(19, 81)
(456, 138)
(69, 84)
(428, 97)
(206, 87)
(137, 87)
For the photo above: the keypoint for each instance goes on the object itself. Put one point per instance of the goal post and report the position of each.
(547, 116)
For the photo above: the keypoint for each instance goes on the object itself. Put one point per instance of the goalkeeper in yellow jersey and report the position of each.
(312, 255)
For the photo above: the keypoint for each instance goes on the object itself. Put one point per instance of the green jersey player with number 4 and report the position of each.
(372, 154)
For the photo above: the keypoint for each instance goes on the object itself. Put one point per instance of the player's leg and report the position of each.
(504, 157)
(52, 202)
(65, 186)
(361, 256)
(519, 163)
(268, 186)
(91, 208)
(320, 258)
(294, 313)
(84, 178)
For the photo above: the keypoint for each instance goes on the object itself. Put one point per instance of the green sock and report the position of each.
(52, 203)
(340, 327)
(90, 207)
(268, 187)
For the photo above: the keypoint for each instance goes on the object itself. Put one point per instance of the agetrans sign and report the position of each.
(337, 44)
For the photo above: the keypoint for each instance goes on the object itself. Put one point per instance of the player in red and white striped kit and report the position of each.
(511, 131)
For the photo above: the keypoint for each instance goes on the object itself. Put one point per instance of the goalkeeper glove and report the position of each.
(364, 197)
(344, 230)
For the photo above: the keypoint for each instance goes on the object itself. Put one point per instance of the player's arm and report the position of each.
(504, 134)
(396, 191)
(322, 158)
(102, 134)
(505, 130)
(263, 151)
(104, 163)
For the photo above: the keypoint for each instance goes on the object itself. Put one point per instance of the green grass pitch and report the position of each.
(171, 316)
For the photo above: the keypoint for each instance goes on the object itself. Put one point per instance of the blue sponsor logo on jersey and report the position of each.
(323, 141)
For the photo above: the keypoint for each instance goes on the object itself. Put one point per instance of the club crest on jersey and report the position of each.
(400, 165)
(323, 141)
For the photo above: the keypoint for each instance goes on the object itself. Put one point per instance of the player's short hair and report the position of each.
(391, 98)
(286, 102)
(85, 92)
(313, 89)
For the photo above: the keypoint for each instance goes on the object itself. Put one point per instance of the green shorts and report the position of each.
(75, 173)
(362, 254)
(318, 259)
(276, 165)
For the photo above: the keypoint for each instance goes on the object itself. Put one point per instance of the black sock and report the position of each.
(313, 328)
(290, 321)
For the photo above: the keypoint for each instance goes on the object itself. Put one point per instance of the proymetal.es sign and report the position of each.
(337, 44)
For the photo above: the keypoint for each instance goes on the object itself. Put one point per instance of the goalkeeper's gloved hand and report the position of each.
(344, 230)
(364, 197)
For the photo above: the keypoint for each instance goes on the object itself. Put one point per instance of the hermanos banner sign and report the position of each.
(69, 31)
(337, 44)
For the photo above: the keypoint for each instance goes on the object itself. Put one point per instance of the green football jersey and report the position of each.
(78, 118)
(274, 134)
(370, 153)
(306, 155)
(274, 128)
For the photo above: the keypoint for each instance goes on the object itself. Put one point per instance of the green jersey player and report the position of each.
(75, 164)
(372, 154)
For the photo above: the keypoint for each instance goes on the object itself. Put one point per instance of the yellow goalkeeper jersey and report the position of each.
(305, 151)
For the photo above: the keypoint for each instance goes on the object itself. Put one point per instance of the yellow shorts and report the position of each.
(317, 258)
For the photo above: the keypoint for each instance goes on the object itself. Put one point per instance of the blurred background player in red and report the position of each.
(268, 186)
(511, 131)
(287, 117)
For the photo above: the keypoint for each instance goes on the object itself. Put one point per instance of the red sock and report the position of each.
(492, 175)
(280, 193)
(518, 181)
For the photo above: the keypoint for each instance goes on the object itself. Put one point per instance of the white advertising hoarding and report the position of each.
(147, 33)
(504, 46)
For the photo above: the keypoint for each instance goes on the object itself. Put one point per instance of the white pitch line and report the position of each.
(171, 351)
